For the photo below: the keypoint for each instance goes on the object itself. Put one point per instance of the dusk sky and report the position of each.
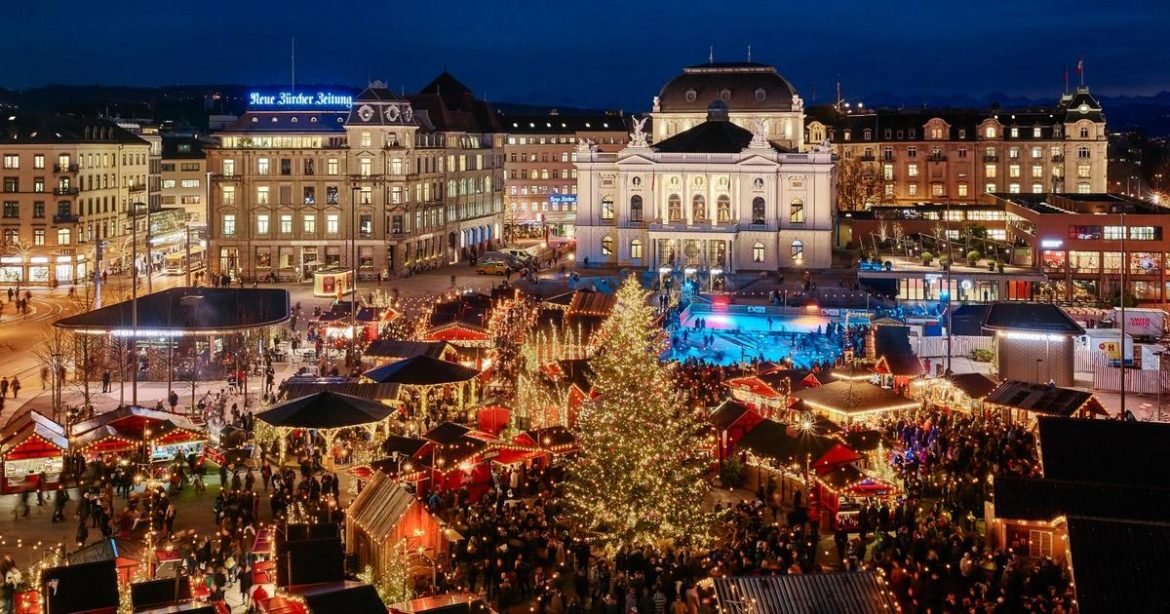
(596, 53)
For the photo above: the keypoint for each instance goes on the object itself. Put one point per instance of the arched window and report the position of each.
(607, 207)
(758, 215)
(635, 208)
(636, 181)
(723, 209)
(698, 208)
(607, 246)
(674, 208)
(797, 251)
(758, 252)
(796, 212)
(636, 249)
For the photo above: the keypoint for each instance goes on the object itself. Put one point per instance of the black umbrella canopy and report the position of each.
(325, 410)
(421, 370)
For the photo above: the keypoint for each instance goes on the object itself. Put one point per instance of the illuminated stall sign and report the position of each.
(562, 199)
(300, 100)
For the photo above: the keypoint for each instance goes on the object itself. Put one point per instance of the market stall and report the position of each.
(161, 435)
(32, 445)
(424, 377)
(386, 520)
(326, 412)
(848, 402)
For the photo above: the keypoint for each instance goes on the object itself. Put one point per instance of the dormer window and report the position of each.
(989, 132)
(761, 95)
(868, 134)
(691, 95)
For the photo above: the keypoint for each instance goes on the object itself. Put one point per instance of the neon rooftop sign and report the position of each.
(299, 99)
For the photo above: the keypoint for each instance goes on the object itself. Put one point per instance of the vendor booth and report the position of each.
(130, 429)
(327, 413)
(32, 445)
(386, 521)
(332, 282)
(848, 402)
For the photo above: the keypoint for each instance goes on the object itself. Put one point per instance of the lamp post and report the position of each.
(134, 301)
(353, 275)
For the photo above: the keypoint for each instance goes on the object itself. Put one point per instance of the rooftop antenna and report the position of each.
(749, 53)
(711, 54)
(293, 62)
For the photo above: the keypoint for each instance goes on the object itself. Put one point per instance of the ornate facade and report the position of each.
(716, 197)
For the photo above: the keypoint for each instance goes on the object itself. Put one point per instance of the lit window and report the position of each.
(912, 170)
(607, 246)
(636, 249)
(989, 132)
(962, 189)
(286, 223)
(262, 195)
(758, 252)
(796, 211)
(262, 166)
(1037, 188)
(262, 223)
(912, 189)
(797, 251)
(229, 225)
(332, 223)
(310, 223)
(607, 208)
(1014, 188)
(64, 236)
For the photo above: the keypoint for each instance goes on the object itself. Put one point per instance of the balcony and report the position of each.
(991, 158)
(1058, 158)
(141, 187)
(867, 158)
(225, 177)
(65, 218)
(65, 168)
(66, 191)
(937, 158)
(695, 227)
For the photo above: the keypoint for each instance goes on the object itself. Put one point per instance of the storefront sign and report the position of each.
(562, 199)
(1051, 243)
(300, 100)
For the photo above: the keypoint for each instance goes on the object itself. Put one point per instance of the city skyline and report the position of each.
(552, 61)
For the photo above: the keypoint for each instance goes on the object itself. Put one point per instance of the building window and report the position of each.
(888, 172)
(911, 152)
(262, 223)
(936, 189)
(365, 139)
(285, 167)
(366, 224)
(758, 252)
(796, 211)
(912, 170)
(1013, 188)
(635, 208)
(189, 183)
(1037, 153)
(39, 209)
(962, 189)
(989, 132)
(723, 209)
(912, 189)
(332, 223)
(310, 223)
(229, 225)
(11, 161)
(636, 249)
(365, 167)
(698, 208)
(1013, 170)
(607, 246)
(229, 194)
(1014, 153)
(262, 166)
(64, 236)
(39, 161)
(331, 194)
(1083, 153)
(758, 211)
(989, 188)
(331, 166)
(606, 207)
(38, 236)
(797, 251)
(989, 171)
(1084, 171)
(1037, 171)
(286, 223)
(1037, 188)
(11, 209)
(674, 208)
(1084, 132)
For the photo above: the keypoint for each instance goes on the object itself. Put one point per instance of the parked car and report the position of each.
(520, 254)
(492, 267)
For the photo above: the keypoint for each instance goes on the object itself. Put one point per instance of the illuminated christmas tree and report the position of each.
(639, 477)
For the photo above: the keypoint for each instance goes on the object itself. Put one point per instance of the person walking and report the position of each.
(106, 380)
(3, 387)
(15, 386)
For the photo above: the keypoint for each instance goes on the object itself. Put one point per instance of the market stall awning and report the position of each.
(325, 410)
(753, 386)
(457, 332)
(361, 390)
(400, 349)
(554, 438)
(32, 435)
(851, 399)
(186, 311)
(421, 370)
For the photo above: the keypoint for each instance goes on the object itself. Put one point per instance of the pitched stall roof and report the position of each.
(17, 437)
(1107, 451)
(728, 413)
(1043, 399)
(589, 303)
(380, 506)
(1031, 317)
(974, 385)
(1120, 566)
(399, 348)
(350, 598)
(421, 370)
(1031, 499)
(967, 320)
(784, 444)
(854, 398)
(361, 390)
(840, 593)
(325, 410)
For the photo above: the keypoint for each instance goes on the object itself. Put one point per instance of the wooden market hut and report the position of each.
(847, 402)
(32, 444)
(385, 520)
(384, 351)
(1024, 402)
(856, 593)
(731, 421)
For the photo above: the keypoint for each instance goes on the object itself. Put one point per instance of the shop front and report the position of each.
(42, 270)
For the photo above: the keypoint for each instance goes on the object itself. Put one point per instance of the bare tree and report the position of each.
(86, 348)
(858, 185)
(53, 352)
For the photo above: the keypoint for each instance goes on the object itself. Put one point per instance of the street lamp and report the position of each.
(353, 275)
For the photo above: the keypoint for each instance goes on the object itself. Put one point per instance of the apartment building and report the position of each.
(937, 156)
(69, 186)
(539, 170)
